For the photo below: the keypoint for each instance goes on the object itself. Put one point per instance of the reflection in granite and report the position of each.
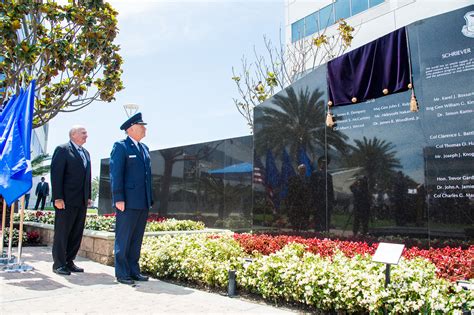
(383, 169)
(392, 171)
(199, 182)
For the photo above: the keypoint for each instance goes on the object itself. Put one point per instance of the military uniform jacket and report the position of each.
(130, 175)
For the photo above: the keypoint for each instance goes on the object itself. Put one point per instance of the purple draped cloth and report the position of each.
(366, 72)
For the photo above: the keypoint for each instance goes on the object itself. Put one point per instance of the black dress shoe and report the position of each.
(140, 277)
(125, 281)
(73, 268)
(63, 270)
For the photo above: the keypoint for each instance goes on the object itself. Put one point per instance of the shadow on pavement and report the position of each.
(160, 287)
(34, 280)
(88, 278)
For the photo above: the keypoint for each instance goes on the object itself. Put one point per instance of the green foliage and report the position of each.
(68, 48)
(15, 237)
(107, 223)
(174, 225)
(283, 64)
(292, 274)
(36, 164)
(100, 223)
(95, 188)
(197, 258)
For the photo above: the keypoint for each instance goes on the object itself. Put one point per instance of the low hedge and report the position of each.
(333, 282)
(107, 222)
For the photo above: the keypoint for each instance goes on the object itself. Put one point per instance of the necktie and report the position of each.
(140, 148)
(83, 156)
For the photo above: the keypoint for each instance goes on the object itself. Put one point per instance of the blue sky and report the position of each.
(178, 58)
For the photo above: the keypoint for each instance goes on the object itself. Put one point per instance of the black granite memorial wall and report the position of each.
(211, 182)
(383, 169)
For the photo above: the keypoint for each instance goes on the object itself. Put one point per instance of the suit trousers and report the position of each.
(129, 229)
(41, 198)
(68, 228)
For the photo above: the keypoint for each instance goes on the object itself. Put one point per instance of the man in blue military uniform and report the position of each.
(130, 176)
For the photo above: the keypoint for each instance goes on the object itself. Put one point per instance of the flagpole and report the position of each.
(4, 217)
(10, 240)
(20, 236)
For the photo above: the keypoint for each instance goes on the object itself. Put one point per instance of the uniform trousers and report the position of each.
(129, 229)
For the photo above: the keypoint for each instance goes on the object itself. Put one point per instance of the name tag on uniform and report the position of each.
(132, 156)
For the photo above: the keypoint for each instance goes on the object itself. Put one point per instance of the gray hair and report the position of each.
(75, 129)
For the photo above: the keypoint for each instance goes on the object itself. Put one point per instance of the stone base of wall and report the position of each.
(97, 245)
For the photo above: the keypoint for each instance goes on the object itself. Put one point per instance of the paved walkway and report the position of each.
(96, 292)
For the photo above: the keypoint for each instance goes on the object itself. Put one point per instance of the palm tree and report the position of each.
(296, 121)
(37, 166)
(377, 159)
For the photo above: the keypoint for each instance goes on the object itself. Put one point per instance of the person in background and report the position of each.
(42, 191)
(360, 190)
(322, 191)
(299, 199)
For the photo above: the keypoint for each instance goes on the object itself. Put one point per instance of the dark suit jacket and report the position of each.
(130, 175)
(70, 180)
(42, 189)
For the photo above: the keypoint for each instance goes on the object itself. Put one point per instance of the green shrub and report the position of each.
(335, 283)
(195, 257)
(174, 225)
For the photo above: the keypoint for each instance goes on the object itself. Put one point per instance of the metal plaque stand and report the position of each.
(4, 258)
(11, 265)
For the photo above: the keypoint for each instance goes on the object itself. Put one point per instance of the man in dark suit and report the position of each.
(71, 185)
(323, 195)
(42, 191)
(299, 200)
(130, 176)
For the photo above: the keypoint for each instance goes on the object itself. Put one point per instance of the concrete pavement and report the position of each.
(96, 292)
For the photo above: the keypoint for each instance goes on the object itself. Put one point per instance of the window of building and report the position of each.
(342, 9)
(327, 16)
(373, 3)
(297, 30)
(311, 24)
(359, 6)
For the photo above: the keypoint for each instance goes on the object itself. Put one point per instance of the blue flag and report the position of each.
(287, 172)
(304, 159)
(15, 139)
(272, 177)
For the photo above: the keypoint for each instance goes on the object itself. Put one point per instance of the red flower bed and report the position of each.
(33, 237)
(154, 217)
(266, 244)
(452, 263)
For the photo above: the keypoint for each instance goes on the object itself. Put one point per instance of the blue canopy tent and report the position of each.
(234, 169)
(233, 172)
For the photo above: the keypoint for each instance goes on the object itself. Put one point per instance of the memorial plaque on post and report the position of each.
(388, 253)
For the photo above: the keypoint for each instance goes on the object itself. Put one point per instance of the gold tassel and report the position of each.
(413, 102)
(329, 120)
